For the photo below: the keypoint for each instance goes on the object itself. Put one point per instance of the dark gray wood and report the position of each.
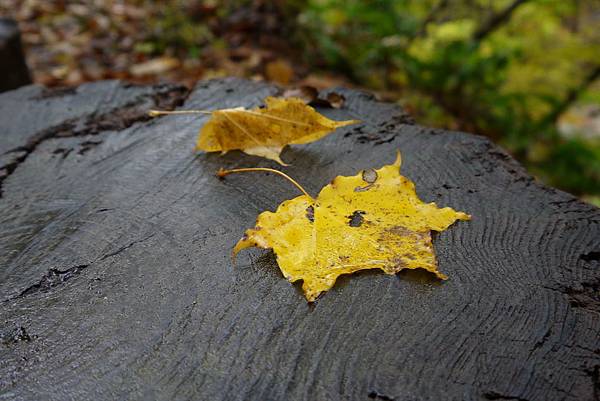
(117, 281)
(13, 68)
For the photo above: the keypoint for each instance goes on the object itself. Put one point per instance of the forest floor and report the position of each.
(67, 44)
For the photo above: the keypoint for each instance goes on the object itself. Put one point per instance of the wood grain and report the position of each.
(117, 282)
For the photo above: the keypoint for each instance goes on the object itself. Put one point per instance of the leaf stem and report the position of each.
(222, 173)
(156, 113)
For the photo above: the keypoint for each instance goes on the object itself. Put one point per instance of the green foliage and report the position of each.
(509, 78)
(572, 164)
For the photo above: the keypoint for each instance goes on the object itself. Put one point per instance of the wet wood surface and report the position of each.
(117, 282)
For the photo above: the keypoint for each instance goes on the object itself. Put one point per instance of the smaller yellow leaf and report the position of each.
(265, 131)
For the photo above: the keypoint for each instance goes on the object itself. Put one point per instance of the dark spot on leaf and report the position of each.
(356, 219)
(401, 230)
(310, 214)
(363, 189)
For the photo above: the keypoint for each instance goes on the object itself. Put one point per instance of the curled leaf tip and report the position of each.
(281, 162)
(398, 161)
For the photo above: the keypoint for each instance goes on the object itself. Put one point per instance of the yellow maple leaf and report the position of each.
(262, 131)
(265, 131)
(373, 220)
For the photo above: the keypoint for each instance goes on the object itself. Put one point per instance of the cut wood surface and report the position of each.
(117, 282)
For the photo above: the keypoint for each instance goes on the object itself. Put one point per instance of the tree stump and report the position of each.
(13, 68)
(117, 280)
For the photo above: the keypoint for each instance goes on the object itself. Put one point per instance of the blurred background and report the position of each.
(524, 73)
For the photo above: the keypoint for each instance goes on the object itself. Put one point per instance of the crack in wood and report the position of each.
(55, 277)
(380, 396)
(165, 97)
(492, 395)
